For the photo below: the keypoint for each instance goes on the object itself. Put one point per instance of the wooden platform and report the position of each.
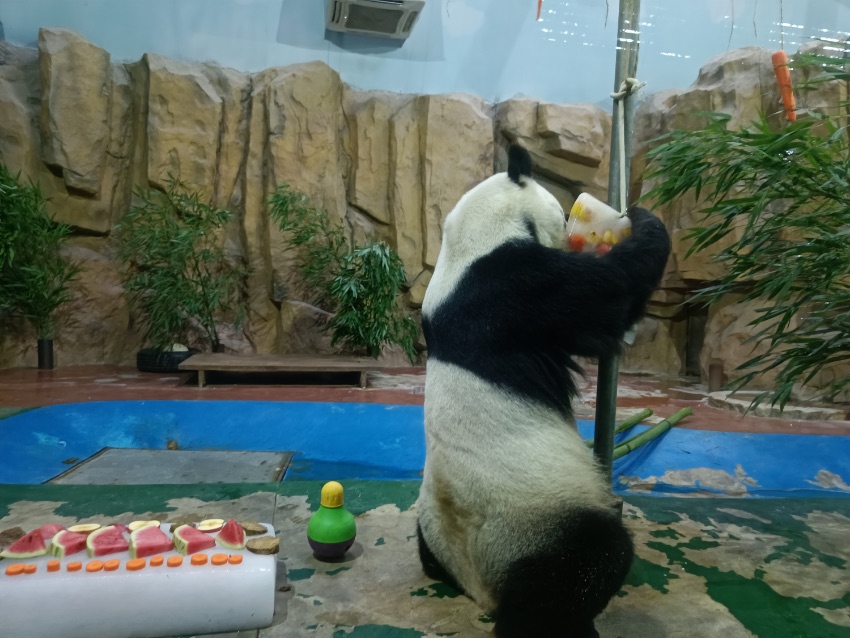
(219, 362)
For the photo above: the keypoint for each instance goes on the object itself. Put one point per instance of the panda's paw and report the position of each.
(639, 216)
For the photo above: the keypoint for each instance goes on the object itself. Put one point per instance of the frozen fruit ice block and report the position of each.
(594, 226)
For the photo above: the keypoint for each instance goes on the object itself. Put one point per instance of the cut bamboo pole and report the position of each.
(628, 423)
(655, 431)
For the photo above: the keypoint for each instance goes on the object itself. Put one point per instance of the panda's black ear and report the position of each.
(519, 163)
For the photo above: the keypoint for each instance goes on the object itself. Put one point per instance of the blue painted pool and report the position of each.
(369, 441)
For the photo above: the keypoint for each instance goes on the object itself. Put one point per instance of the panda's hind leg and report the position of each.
(558, 591)
(432, 567)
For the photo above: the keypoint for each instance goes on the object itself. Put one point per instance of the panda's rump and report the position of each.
(567, 556)
(499, 472)
(578, 562)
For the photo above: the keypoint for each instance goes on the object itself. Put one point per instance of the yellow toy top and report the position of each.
(332, 494)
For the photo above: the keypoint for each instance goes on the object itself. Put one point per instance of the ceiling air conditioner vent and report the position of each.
(335, 12)
(384, 18)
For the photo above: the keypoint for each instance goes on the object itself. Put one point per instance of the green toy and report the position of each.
(331, 529)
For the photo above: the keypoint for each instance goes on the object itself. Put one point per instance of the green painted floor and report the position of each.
(705, 567)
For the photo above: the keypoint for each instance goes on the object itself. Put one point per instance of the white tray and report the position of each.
(149, 603)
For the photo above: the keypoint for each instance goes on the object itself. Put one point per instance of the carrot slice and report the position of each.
(219, 559)
(15, 569)
(135, 564)
(111, 565)
(74, 567)
(94, 566)
(174, 561)
(235, 559)
(30, 568)
(157, 561)
(53, 565)
(199, 559)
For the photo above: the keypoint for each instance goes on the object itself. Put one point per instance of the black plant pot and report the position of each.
(153, 360)
(45, 354)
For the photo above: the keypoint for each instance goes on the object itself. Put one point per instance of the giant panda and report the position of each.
(513, 510)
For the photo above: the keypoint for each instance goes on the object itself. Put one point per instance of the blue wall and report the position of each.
(492, 48)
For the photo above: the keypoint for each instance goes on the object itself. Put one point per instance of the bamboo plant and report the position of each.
(783, 191)
(34, 278)
(178, 271)
(359, 285)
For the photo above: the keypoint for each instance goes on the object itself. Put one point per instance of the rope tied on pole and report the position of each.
(628, 87)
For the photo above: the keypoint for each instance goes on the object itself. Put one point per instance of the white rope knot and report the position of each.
(627, 87)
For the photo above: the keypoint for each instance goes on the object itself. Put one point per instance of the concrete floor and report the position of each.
(705, 566)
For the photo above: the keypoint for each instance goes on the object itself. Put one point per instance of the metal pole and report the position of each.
(606, 383)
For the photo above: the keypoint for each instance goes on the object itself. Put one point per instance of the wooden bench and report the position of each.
(219, 362)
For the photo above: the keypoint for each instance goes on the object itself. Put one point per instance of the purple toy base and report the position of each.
(330, 551)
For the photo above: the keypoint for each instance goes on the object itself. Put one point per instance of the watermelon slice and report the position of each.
(231, 536)
(28, 546)
(50, 530)
(149, 541)
(188, 540)
(106, 540)
(66, 543)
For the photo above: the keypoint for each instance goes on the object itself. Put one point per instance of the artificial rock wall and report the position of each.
(742, 84)
(389, 166)
(90, 130)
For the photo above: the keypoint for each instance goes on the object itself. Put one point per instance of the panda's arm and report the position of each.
(643, 256)
(581, 303)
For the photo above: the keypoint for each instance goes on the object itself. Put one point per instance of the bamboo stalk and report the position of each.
(633, 420)
(655, 431)
(628, 423)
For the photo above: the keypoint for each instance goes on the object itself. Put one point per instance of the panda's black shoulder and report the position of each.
(519, 164)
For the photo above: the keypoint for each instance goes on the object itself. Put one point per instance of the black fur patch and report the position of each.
(431, 565)
(519, 163)
(559, 590)
(519, 313)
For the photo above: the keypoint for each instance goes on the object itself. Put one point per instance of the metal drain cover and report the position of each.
(123, 466)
